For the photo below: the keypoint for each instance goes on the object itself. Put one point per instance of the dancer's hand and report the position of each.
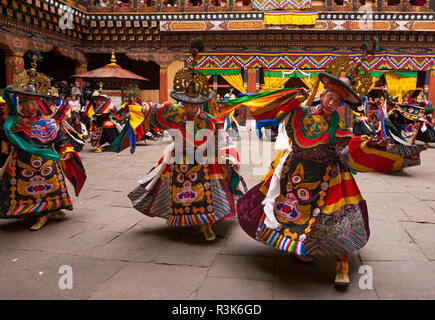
(305, 92)
(384, 142)
(66, 156)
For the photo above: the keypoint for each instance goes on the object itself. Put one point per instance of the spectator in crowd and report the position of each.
(87, 92)
(60, 100)
(74, 103)
(407, 98)
(64, 89)
(421, 97)
(77, 91)
(79, 127)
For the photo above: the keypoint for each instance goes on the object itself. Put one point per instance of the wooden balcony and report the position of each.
(201, 6)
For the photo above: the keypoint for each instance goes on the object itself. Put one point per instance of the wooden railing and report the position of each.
(162, 6)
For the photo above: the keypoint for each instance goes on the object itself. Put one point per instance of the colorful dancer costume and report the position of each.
(196, 182)
(33, 178)
(308, 203)
(136, 126)
(401, 114)
(63, 114)
(361, 125)
(425, 132)
(103, 129)
(4, 146)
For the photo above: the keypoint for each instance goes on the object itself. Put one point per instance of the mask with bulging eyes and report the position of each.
(190, 188)
(38, 178)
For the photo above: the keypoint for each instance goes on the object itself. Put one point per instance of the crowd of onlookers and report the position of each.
(79, 97)
(407, 99)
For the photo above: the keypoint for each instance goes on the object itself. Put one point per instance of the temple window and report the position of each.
(318, 3)
(394, 3)
(101, 3)
(219, 3)
(195, 3)
(124, 3)
(418, 3)
(240, 3)
(342, 2)
(147, 3)
(171, 3)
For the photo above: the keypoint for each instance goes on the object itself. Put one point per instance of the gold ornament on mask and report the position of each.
(360, 78)
(53, 92)
(31, 80)
(189, 80)
(180, 80)
(339, 66)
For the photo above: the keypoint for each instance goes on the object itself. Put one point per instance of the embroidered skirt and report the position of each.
(187, 195)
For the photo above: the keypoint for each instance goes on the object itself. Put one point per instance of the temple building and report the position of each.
(250, 45)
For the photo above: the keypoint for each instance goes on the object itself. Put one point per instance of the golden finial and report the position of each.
(113, 59)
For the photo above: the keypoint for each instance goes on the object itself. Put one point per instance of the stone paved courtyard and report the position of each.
(117, 253)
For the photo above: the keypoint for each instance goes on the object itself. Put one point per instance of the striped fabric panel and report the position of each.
(192, 220)
(161, 204)
(404, 151)
(220, 199)
(330, 247)
(339, 241)
(279, 241)
(39, 207)
(140, 199)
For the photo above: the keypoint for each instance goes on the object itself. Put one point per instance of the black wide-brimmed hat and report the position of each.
(190, 85)
(342, 86)
(196, 98)
(29, 92)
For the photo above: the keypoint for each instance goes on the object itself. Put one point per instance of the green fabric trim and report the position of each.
(116, 144)
(278, 74)
(394, 130)
(407, 74)
(220, 72)
(206, 107)
(19, 142)
(234, 181)
(236, 101)
(335, 119)
(376, 74)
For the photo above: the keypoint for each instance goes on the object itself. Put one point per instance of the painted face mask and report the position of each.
(189, 187)
(38, 178)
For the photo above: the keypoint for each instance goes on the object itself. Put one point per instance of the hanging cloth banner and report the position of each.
(275, 78)
(264, 5)
(289, 73)
(232, 75)
(399, 83)
(236, 81)
(302, 18)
